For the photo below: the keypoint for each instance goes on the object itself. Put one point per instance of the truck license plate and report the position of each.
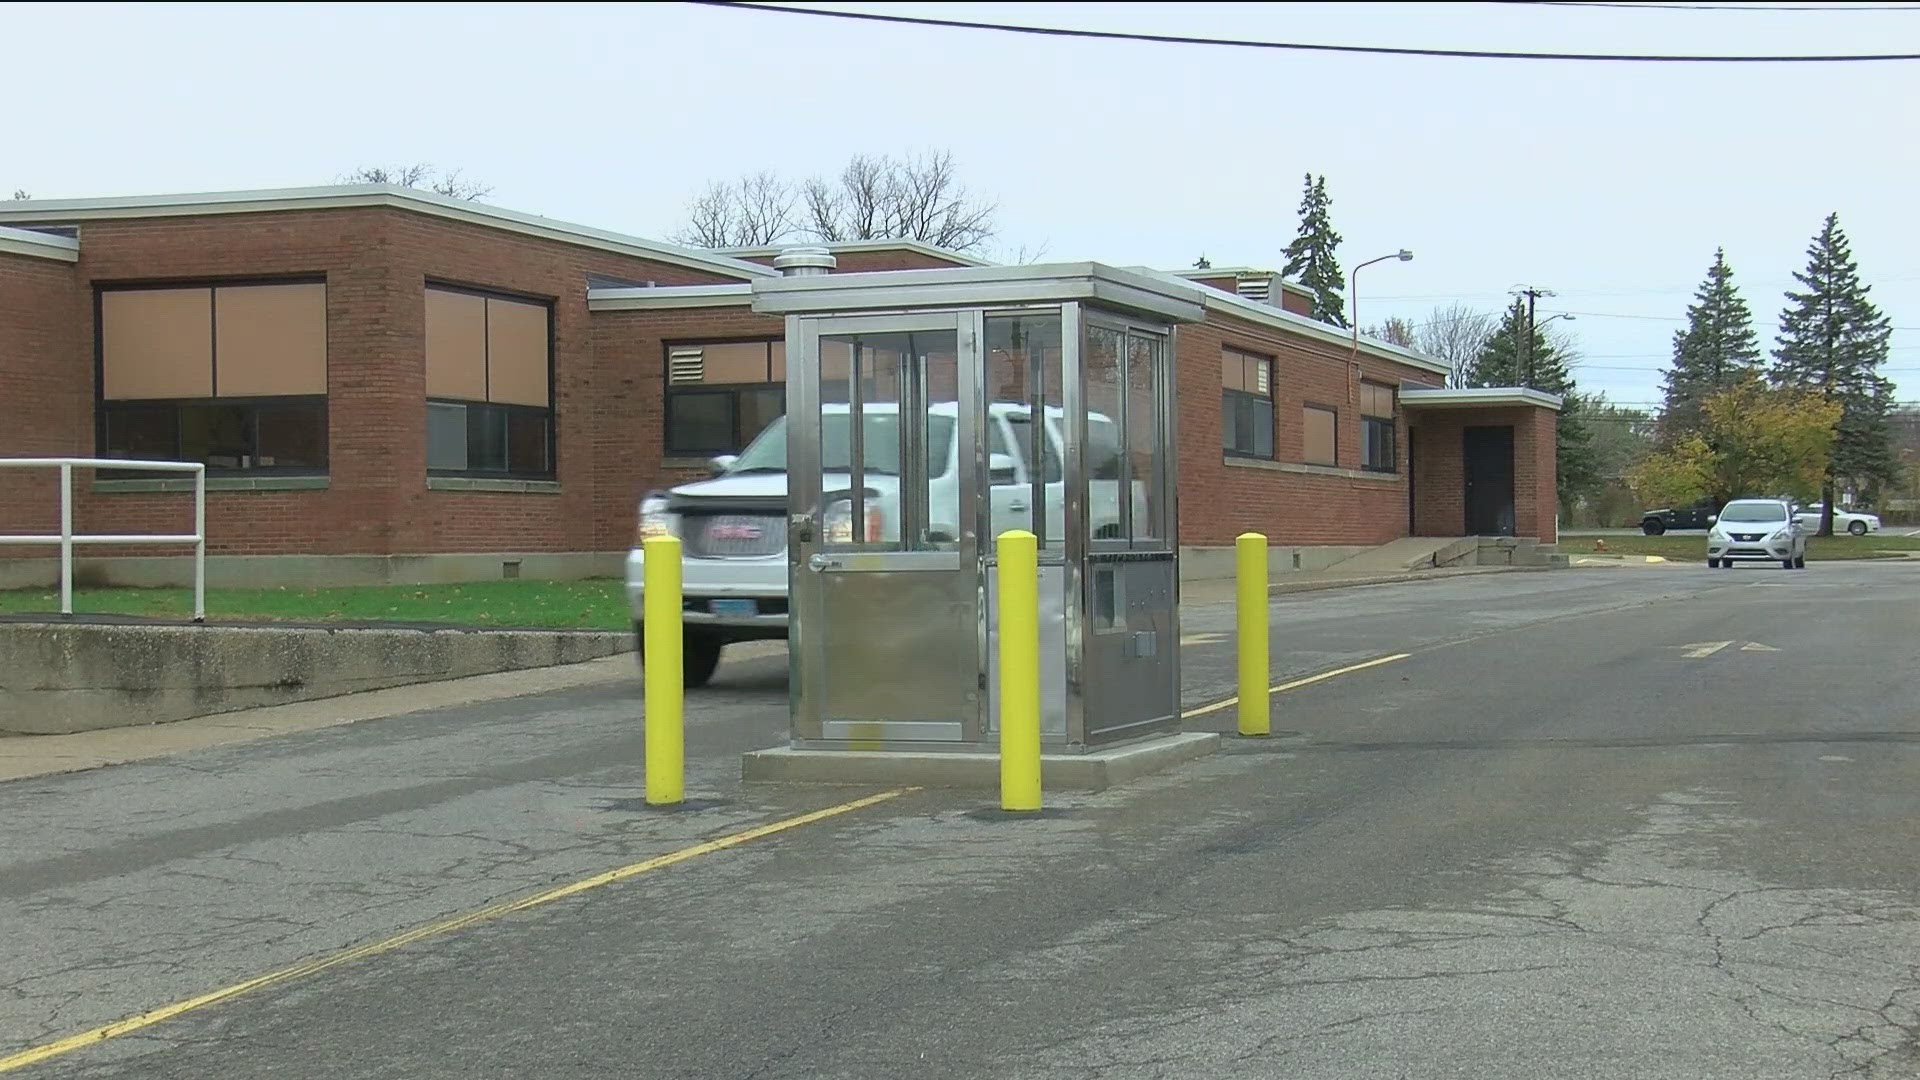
(734, 608)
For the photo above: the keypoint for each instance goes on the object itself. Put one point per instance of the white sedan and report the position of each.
(1851, 521)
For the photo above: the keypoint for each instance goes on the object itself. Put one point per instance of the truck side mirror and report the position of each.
(1002, 469)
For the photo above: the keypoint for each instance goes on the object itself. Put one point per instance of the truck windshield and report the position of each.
(1754, 511)
(880, 445)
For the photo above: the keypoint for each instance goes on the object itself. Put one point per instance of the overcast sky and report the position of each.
(1609, 183)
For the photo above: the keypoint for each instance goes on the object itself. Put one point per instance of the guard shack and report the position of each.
(928, 412)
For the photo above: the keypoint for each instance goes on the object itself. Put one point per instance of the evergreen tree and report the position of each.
(1505, 361)
(1834, 340)
(1715, 351)
(1310, 258)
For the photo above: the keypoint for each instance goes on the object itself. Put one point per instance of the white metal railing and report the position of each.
(66, 538)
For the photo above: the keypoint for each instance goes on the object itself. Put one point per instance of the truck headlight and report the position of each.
(655, 520)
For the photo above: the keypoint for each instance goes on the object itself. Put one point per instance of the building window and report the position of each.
(489, 385)
(1318, 425)
(1378, 451)
(230, 375)
(720, 394)
(1246, 404)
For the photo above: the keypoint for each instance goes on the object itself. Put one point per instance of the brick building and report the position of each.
(391, 385)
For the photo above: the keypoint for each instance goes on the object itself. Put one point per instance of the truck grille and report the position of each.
(734, 536)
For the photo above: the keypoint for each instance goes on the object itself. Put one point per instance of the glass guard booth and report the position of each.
(930, 411)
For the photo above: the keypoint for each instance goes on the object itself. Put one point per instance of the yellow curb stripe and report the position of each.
(147, 1019)
(1297, 683)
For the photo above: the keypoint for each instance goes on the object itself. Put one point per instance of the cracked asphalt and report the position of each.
(1549, 844)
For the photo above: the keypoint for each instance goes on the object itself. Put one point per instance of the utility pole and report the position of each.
(1525, 352)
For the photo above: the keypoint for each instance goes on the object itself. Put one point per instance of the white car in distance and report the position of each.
(1853, 522)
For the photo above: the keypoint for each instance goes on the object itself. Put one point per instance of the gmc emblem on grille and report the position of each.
(732, 531)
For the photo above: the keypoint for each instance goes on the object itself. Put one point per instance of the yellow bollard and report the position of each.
(666, 688)
(1019, 615)
(1250, 572)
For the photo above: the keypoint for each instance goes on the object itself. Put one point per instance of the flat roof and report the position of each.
(916, 246)
(1223, 271)
(1281, 319)
(670, 296)
(67, 211)
(39, 245)
(1480, 397)
(1129, 290)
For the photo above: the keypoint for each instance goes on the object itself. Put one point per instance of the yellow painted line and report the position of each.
(1297, 683)
(151, 1017)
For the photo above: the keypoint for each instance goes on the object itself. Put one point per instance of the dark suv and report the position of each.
(1655, 522)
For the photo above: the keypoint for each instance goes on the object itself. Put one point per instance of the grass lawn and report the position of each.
(598, 604)
(1690, 547)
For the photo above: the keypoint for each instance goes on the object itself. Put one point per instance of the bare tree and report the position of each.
(21, 193)
(1455, 334)
(875, 197)
(1395, 330)
(752, 211)
(421, 175)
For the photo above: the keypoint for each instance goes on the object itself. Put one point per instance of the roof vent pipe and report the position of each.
(805, 262)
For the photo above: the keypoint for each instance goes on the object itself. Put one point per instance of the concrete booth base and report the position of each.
(1095, 770)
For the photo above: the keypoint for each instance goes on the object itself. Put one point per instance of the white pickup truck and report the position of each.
(733, 527)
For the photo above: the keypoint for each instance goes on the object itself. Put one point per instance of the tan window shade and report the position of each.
(456, 345)
(777, 370)
(516, 352)
(156, 343)
(1317, 427)
(1376, 400)
(735, 362)
(270, 340)
(1233, 370)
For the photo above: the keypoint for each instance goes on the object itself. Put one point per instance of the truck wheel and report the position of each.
(699, 654)
(1653, 526)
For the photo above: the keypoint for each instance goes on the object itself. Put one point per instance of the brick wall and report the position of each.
(630, 441)
(46, 405)
(376, 262)
(1223, 497)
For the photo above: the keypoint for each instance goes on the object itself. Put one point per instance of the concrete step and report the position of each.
(1411, 553)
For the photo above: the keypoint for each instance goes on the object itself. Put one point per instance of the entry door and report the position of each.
(883, 544)
(1487, 453)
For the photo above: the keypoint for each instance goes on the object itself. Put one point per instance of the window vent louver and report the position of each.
(1258, 288)
(685, 365)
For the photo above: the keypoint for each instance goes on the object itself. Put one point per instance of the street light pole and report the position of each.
(1353, 286)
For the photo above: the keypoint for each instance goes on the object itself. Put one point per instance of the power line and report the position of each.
(1241, 43)
(1708, 7)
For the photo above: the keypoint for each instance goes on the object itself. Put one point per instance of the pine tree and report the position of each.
(1715, 351)
(1310, 258)
(1834, 340)
(1503, 361)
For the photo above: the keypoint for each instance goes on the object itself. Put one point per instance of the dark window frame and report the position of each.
(1386, 427)
(551, 410)
(102, 405)
(1234, 402)
(735, 393)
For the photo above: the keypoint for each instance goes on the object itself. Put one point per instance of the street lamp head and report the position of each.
(1405, 255)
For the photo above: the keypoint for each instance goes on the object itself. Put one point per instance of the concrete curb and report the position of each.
(1283, 587)
(60, 678)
